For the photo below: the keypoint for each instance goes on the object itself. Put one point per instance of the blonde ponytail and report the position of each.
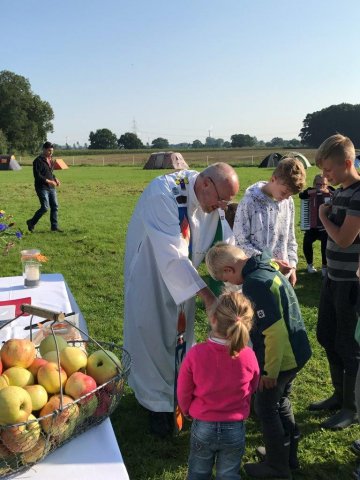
(234, 317)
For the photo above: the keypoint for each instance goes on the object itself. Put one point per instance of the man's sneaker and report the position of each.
(324, 271)
(30, 226)
(311, 268)
(57, 230)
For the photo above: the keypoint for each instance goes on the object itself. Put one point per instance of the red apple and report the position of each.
(18, 352)
(48, 376)
(79, 384)
(104, 403)
(88, 409)
(19, 376)
(36, 364)
(73, 359)
(58, 423)
(102, 365)
(15, 405)
(23, 437)
(8, 461)
(39, 396)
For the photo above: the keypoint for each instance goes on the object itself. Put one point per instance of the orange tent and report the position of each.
(59, 164)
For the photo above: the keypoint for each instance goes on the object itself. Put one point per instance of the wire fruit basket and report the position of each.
(24, 444)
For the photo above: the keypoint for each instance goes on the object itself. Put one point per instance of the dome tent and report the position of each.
(271, 160)
(274, 158)
(170, 160)
(8, 162)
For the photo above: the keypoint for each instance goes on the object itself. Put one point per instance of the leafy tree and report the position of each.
(197, 144)
(160, 143)
(214, 142)
(130, 141)
(3, 143)
(103, 138)
(343, 118)
(276, 142)
(24, 118)
(227, 144)
(242, 140)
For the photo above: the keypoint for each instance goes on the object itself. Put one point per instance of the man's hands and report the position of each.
(267, 383)
(284, 267)
(293, 277)
(324, 211)
(207, 297)
(53, 183)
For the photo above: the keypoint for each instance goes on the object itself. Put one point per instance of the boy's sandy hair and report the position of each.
(222, 255)
(338, 148)
(234, 315)
(291, 172)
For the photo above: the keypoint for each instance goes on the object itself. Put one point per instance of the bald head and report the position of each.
(224, 176)
(216, 186)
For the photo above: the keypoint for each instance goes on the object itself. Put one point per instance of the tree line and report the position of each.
(26, 120)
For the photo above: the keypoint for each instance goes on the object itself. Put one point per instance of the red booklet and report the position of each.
(17, 302)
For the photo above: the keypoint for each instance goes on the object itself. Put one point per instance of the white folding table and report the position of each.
(94, 454)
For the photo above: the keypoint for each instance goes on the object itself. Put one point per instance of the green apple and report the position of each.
(58, 424)
(19, 376)
(88, 409)
(102, 365)
(51, 356)
(15, 405)
(49, 343)
(73, 359)
(23, 437)
(17, 352)
(51, 378)
(39, 396)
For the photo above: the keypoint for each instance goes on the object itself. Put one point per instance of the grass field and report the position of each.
(95, 206)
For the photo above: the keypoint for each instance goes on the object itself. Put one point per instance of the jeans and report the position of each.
(48, 199)
(222, 443)
(273, 407)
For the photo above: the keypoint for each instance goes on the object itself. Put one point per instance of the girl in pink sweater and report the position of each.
(215, 384)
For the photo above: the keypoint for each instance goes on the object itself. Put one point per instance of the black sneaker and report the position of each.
(57, 230)
(161, 423)
(30, 226)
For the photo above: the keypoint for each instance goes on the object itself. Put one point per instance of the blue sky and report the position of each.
(180, 69)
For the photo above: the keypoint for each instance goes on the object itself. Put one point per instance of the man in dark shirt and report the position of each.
(45, 187)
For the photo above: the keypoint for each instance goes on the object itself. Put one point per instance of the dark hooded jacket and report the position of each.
(279, 337)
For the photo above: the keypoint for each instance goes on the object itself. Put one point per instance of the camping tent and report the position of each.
(59, 164)
(271, 160)
(171, 160)
(8, 162)
(274, 158)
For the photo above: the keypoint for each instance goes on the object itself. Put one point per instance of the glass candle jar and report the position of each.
(31, 267)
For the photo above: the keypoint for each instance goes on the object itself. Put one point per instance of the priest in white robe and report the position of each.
(161, 279)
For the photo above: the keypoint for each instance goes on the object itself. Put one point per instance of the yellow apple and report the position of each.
(37, 452)
(19, 376)
(4, 382)
(39, 396)
(23, 437)
(73, 359)
(15, 405)
(17, 352)
(60, 422)
(102, 365)
(51, 378)
(49, 343)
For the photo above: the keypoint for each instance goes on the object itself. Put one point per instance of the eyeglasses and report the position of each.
(217, 192)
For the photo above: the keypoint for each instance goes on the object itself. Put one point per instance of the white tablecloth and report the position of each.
(95, 454)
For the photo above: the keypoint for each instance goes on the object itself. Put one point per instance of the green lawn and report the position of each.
(95, 206)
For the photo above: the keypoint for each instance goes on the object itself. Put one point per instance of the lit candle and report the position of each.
(32, 272)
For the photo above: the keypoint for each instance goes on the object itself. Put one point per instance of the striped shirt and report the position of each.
(343, 262)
